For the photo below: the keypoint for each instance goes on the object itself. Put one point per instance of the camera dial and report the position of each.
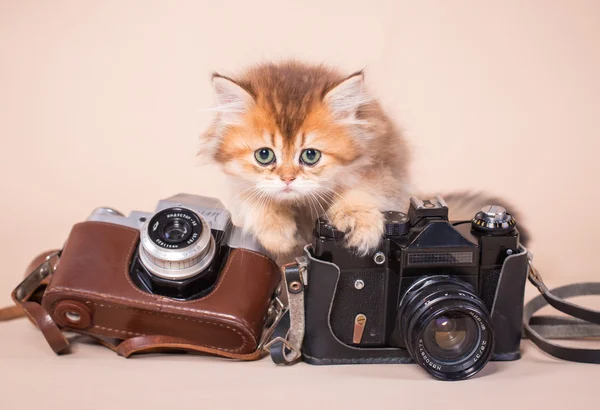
(176, 244)
(493, 219)
(396, 223)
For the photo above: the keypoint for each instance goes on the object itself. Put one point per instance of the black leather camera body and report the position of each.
(447, 295)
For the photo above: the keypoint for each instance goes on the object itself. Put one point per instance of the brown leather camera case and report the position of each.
(91, 283)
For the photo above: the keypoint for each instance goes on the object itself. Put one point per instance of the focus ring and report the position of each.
(167, 264)
(182, 269)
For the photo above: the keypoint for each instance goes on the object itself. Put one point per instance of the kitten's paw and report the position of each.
(363, 228)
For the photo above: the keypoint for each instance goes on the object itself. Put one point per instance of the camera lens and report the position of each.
(450, 336)
(176, 230)
(446, 328)
(176, 244)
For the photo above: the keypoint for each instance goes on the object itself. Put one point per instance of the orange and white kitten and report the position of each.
(300, 141)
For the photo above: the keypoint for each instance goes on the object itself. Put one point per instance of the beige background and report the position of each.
(100, 104)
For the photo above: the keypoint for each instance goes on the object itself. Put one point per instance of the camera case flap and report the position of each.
(91, 292)
(321, 346)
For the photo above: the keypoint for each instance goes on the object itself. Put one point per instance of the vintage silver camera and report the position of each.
(183, 244)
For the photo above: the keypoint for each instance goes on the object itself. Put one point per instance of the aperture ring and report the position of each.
(178, 270)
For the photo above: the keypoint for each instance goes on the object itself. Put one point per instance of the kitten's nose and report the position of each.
(288, 178)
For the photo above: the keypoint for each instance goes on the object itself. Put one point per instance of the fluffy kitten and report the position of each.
(301, 140)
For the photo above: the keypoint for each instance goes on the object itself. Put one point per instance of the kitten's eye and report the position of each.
(264, 156)
(310, 156)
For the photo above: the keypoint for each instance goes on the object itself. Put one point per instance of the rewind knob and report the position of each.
(493, 219)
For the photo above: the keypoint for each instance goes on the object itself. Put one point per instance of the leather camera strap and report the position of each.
(150, 343)
(23, 294)
(585, 322)
(157, 344)
(286, 342)
(11, 312)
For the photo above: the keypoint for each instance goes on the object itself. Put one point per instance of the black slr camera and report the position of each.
(447, 295)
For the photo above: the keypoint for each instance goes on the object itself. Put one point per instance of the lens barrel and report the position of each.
(176, 244)
(446, 327)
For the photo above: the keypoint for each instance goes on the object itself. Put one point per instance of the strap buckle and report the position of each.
(275, 313)
(302, 263)
(29, 285)
(285, 343)
(27, 288)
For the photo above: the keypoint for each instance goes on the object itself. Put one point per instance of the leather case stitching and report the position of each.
(169, 344)
(71, 291)
(245, 341)
(58, 290)
(119, 331)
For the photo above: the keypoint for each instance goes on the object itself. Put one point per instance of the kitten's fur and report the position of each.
(289, 107)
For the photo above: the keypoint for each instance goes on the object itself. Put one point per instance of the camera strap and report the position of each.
(285, 344)
(27, 296)
(11, 312)
(585, 323)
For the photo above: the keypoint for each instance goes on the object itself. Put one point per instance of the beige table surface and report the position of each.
(93, 377)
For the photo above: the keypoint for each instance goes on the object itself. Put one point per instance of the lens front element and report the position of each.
(450, 336)
(176, 230)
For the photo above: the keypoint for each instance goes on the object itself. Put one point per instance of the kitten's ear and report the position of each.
(232, 100)
(346, 98)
